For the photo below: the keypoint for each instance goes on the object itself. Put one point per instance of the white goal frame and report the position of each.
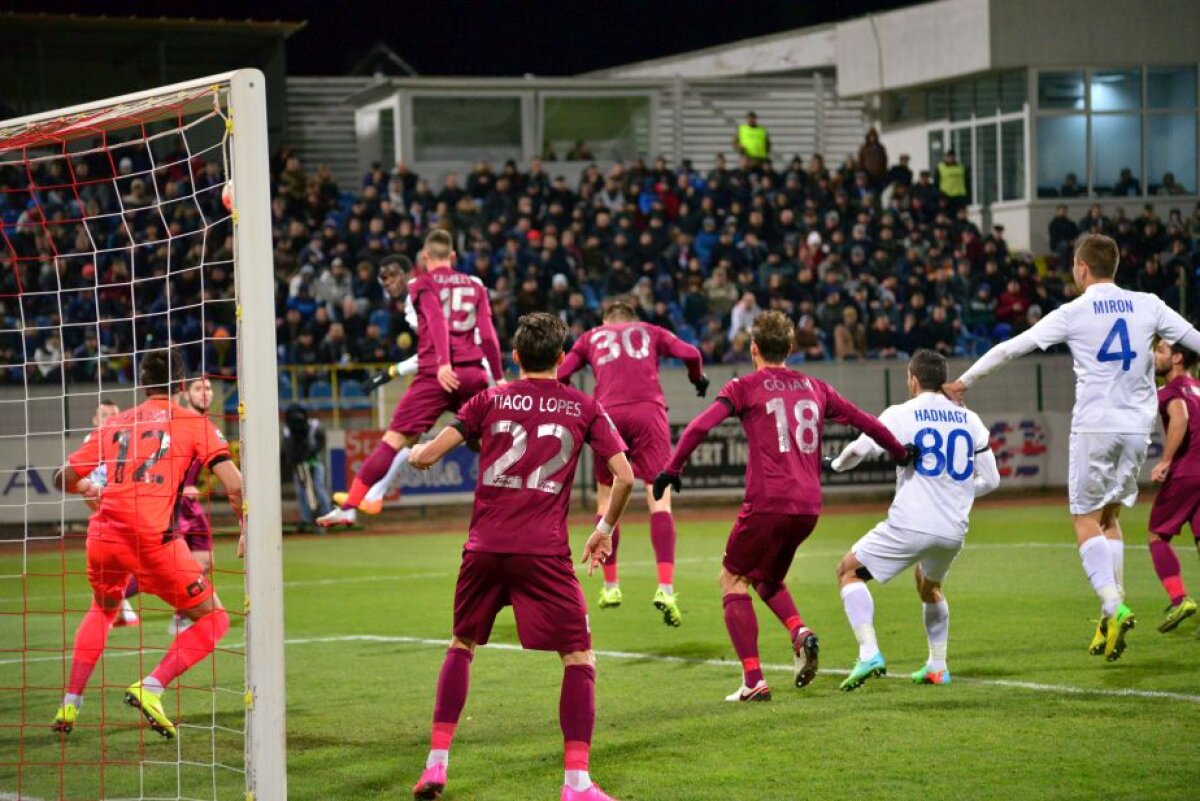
(265, 749)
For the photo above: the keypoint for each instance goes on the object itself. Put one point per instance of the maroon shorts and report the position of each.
(191, 522)
(543, 591)
(762, 545)
(647, 433)
(425, 400)
(1177, 502)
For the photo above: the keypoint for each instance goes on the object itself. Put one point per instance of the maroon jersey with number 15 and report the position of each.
(531, 434)
(450, 307)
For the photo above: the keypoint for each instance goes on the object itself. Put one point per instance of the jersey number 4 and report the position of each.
(1120, 333)
(539, 479)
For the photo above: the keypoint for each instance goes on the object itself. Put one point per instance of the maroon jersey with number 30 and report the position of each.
(624, 357)
(531, 433)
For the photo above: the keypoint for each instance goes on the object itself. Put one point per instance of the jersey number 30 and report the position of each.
(1120, 333)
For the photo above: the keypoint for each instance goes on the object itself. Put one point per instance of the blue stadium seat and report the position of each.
(352, 389)
(286, 388)
(320, 395)
(381, 318)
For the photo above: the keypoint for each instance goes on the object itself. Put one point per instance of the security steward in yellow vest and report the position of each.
(952, 181)
(752, 140)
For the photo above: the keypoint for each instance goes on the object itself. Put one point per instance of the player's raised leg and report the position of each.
(453, 684)
(936, 613)
(372, 471)
(742, 625)
(860, 611)
(662, 539)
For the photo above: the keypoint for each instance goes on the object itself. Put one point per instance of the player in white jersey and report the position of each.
(1110, 332)
(927, 522)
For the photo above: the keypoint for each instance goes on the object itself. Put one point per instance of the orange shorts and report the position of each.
(166, 569)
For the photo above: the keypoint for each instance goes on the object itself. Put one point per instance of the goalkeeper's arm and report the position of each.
(406, 367)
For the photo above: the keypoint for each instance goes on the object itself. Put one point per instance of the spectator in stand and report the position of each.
(1126, 184)
(1071, 188)
(739, 349)
(1012, 305)
(744, 313)
(881, 338)
(937, 332)
(808, 339)
(1063, 233)
(873, 160)
(753, 141)
(1170, 186)
(952, 181)
(849, 336)
(334, 284)
(900, 174)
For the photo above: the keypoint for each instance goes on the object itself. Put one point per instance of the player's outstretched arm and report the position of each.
(231, 479)
(987, 474)
(689, 440)
(423, 457)
(1177, 426)
(1050, 330)
(841, 410)
(574, 361)
(674, 347)
(855, 454)
(406, 367)
(599, 545)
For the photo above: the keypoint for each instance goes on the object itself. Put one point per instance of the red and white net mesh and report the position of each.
(114, 240)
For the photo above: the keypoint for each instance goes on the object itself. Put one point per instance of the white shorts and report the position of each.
(1104, 469)
(887, 551)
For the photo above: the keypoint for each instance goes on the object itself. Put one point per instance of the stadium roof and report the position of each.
(11, 21)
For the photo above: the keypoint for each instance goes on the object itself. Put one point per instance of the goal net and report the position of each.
(129, 225)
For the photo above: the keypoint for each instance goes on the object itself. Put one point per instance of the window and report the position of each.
(609, 128)
(387, 137)
(1171, 88)
(987, 95)
(466, 128)
(1116, 90)
(1171, 148)
(936, 104)
(989, 166)
(937, 148)
(1012, 160)
(962, 101)
(960, 140)
(1060, 90)
(1062, 150)
(1116, 146)
(1012, 91)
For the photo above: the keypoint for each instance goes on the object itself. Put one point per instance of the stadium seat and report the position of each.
(381, 318)
(320, 395)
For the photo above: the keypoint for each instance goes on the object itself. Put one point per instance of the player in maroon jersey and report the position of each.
(1178, 501)
(624, 354)
(783, 413)
(517, 552)
(450, 306)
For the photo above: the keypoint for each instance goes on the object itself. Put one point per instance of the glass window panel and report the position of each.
(1116, 90)
(466, 128)
(1171, 148)
(1172, 87)
(962, 100)
(1012, 91)
(937, 146)
(1060, 90)
(611, 128)
(987, 95)
(1116, 147)
(989, 164)
(387, 137)
(935, 102)
(1012, 158)
(960, 140)
(1061, 151)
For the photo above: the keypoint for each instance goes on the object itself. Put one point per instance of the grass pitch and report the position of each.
(1029, 716)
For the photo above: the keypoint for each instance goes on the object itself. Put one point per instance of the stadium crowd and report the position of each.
(870, 260)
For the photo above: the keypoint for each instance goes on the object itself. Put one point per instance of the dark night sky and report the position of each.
(456, 37)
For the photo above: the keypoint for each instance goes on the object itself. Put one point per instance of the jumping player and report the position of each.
(624, 354)
(1110, 332)
(517, 552)
(927, 522)
(1178, 471)
(146, 450)
(783, 414)
(450, 306)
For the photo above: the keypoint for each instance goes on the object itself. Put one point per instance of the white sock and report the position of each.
(380, 487)
(438, 756)
(860, 611)
(937, 630)
(1116, 549)
(153, 685)
(1097, 563)
(577, 780)
(127, 609)
(611, 585)
(75, 700)
(669, 589)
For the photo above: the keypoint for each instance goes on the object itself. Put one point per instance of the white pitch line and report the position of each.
(1061, 689)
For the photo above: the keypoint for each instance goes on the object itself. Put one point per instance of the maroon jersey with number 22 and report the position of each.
(531, 433)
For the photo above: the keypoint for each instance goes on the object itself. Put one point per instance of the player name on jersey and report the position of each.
(525, 403)
(1117, 306)
(939, 416)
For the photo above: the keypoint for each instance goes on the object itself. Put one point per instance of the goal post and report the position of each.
(206, 138)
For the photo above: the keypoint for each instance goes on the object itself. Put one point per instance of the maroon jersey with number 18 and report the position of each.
(531, 433)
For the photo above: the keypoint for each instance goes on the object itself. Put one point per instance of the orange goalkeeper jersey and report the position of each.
(147, 451)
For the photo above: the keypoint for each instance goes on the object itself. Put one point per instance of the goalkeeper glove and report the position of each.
(827, 465)
(701, 385)
(379, 379)
(664, 480)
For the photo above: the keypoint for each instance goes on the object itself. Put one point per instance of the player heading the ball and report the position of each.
(783, 414)
(517, 553)
(1110, 332)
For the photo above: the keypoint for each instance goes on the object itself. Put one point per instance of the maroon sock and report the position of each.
(131, 589)
(782, 604)
(373, 469)
(452, 686)
(610, 564)
(577, 704)
(743, 632)
(662, 537)
(1166, 565)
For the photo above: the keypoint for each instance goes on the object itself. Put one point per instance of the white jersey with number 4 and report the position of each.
(934, 494)
(1110, 332)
